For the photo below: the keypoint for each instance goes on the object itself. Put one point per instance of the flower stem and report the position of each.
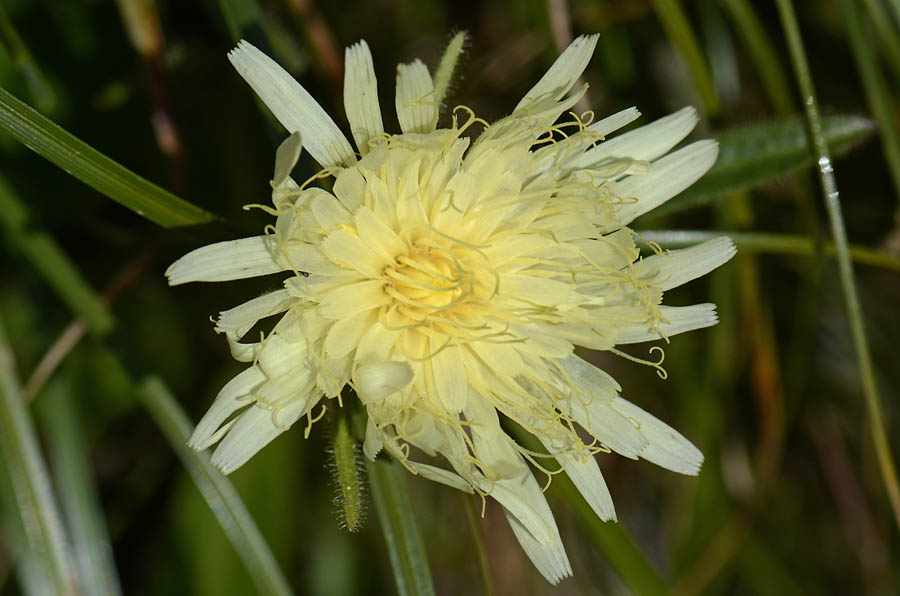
(398, 524)
(779, 244)
(876, 88)
(217, 490)
(484, 567)
(845, 265)
(679, 31)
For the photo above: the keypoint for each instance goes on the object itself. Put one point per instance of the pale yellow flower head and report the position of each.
(448, 276)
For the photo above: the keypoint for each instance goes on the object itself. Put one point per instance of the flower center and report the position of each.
(427, 280)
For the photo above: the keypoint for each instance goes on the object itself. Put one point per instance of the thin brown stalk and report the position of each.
(854, 512)
(141, 21)
(77, 328)
(321, 39)
(561, 29)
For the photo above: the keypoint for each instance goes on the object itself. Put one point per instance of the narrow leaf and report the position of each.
(878, 94)
(778, 244)
(242, 17)
(220, 495)
(765, 571)
(31, 572)
(680, 33)
(38, 85)
(481, 554)
(78, 495)
(887, 34)
(762, 53)
(401, 533)
(752, 155)
(93, 168)
(44, 537)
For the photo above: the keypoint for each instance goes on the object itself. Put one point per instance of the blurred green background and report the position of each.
(790, 499)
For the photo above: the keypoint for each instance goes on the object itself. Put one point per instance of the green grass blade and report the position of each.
(895, 8)
(765, 572)
(778, 244)
(887, 34)
(51, 262)
(78, 496)
(76, 157)
(38, 85)
(679, 31)
(762, 53)
(845, 265)
(753, 155)
(242, 17)
(30, 570)
(245, 19)
(44, 537)
(398, 524)
(877, 93)
(481, 554)
(218, 491)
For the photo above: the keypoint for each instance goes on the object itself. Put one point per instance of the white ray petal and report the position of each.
(666, 446)
(236, 394)
(374, 382)
(223, 261)
(507, 477)
(292, 105)
(581, 468)
(590, 407)
(612, 123)
(680, 319)
(557, 81)
(279, 392)
(242, 352)
(450, 381)
(239, 320)
(351, 298)
(445, 477)
(374, 441)
(674, 268)
(667, 177)
(349, 188)
(278, 357)
(348, 250)
(521, 497)
(609, 427)
(333, 375)
(286, 157)
(361, 96)
(568, 150)
(415, 98)
(645, 143)
(587, 478)
(549, 558)
(589, 378)
(254, 429)
(345, 333)
(243, 258)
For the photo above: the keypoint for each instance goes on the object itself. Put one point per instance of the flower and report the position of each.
(447, 278)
